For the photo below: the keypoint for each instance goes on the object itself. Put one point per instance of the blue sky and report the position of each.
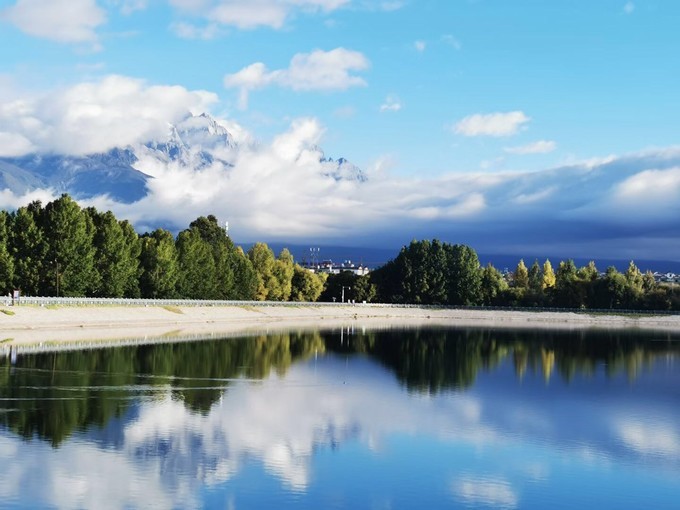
(422, 95)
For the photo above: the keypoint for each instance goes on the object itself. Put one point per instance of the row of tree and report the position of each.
(436, 273)
(64, 250)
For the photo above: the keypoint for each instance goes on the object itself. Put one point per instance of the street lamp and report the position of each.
(343, 291)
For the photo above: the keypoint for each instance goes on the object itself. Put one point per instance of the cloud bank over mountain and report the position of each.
(287, 189)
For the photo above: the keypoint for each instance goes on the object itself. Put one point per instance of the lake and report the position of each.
(387, 419)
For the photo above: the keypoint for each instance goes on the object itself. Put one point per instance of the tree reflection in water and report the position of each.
(50, 396)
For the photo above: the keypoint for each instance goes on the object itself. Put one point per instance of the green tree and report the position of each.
(116, 255)
(520, 278)
(197, 273)
(535, 278)
(306, 285)
(132, 248)
(245, 276)
(364, 289)
(69, 234)
(28, 249)
(567, 287)
(222, 248)
(283, 271)
(493, 285)
(6, 260)
(159, 265)
(465, 279)
(263, 261)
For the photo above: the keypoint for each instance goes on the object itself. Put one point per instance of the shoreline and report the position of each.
(27, 326)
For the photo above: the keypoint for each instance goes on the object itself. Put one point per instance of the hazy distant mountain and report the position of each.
(197, 142)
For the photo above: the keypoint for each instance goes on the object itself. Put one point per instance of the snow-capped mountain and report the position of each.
(195, 143)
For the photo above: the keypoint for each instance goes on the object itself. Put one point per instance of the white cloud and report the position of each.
(391, 104)
(67, 21)
(250, 14)
(539, 147)
(190, 31)
(420, 46)
(492, 124)
(97, 116)
(318, 70)
(270, 186)
(127, 7)
(14, 144)
(452, 41)
(657, 439)
(629, 8)
(494, 492)
(650, 187)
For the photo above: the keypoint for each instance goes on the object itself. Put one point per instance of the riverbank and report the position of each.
(31, 325)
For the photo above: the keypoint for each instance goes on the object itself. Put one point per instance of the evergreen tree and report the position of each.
(535, 278)
(464, 277)
(493, 285)
(158, 265)
(364, 289)
(6, 260)
(28, 249)
(131, 268)
(197, 275)
(69, 234)
(115, 260)
(222, 249)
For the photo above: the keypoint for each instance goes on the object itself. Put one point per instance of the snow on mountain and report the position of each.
(196, 143)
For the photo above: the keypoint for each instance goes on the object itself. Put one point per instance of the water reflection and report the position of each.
(488, 418)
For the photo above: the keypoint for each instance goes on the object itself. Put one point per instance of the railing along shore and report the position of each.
(87, 301)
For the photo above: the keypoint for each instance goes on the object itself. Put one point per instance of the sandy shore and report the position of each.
(34, 325)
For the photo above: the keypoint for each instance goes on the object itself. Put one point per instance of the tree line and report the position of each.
(436, 273)
(62, 249)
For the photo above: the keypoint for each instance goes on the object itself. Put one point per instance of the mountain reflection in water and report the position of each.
(403, 419)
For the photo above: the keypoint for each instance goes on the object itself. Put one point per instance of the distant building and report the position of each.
(329, 267)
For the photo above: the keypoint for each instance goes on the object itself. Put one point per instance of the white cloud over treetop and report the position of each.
(491, 124)
(67, 21)
(318, 70)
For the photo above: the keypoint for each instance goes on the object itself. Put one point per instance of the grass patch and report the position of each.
(5, 340)
(173, 309)
(251, 308)
(7, 312)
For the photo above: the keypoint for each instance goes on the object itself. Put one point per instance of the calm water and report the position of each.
(381, 420)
